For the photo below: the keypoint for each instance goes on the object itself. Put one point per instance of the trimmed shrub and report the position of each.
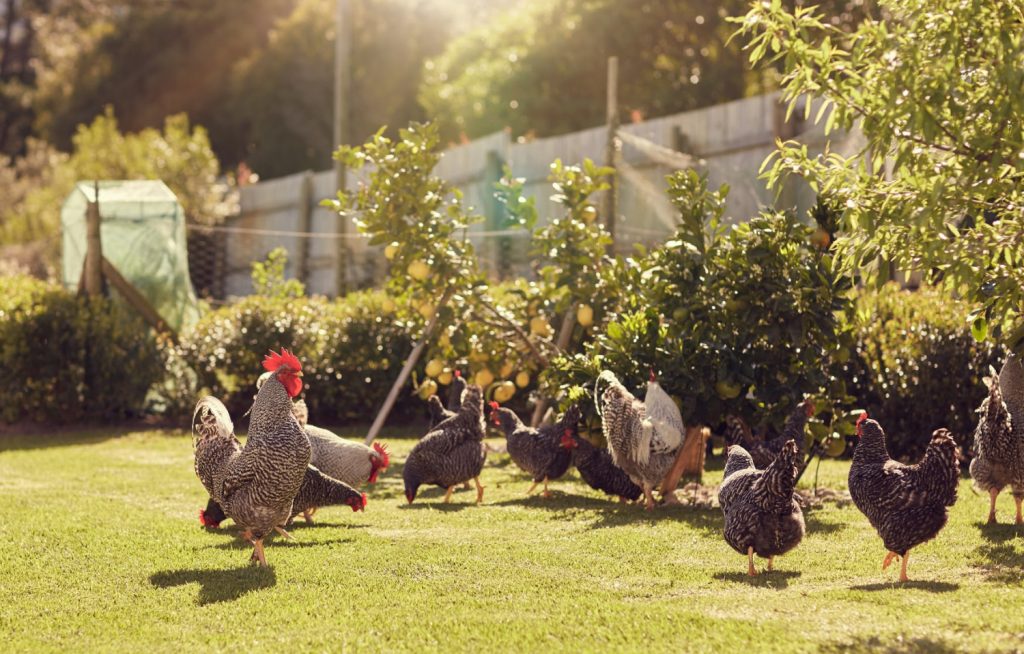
(917, 368)
(351, 351)
(68, 358)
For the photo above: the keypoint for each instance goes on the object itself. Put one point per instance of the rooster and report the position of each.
(451, 453)
(256, 484)
(762, 515)
(999, 438)
(643, 437)
(906, 504)
(437, 411)
(599, 472)
(545, 453)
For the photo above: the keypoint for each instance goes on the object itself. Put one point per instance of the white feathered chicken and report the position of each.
(643, 437)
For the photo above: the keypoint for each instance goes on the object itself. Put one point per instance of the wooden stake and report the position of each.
(137, 300)
(690, 460)
(410, 361)
(305, 226)
(609, 207)
(342, 85)
(564, 336)
(91, 270)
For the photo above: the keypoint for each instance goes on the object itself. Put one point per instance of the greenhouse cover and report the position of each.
(142, 231)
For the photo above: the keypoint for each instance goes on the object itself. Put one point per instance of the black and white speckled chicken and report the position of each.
(597, 469)
(643, 437)
(544, 453)
(906, 504)
(256, 484)
(762, 514)
(999, 438)
(319, 490)
(437, 410)
(764, 452)
(452, 452)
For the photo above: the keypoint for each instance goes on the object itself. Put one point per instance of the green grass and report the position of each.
(100, 549)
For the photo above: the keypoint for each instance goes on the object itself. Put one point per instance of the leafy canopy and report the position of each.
(937, 88)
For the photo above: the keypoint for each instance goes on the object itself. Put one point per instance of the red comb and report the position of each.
(385, 456)
(862, 418)
(458, 373)
(273, 361)
(492, 404)
(361, 506)
(207, 522)
(653, 376)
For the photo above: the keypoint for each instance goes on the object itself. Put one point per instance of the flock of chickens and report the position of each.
(289, 467)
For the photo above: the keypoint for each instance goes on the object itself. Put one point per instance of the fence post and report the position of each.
(92, 272)
(305, 227)
(342, 79)
(611, 145)
(495, 211)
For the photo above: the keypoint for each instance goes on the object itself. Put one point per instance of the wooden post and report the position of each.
(137, 300)
(564, 335)
(92, 270)
(305, 226)
(611, 147)
(690, 460)
(342, 84)
(410, 361)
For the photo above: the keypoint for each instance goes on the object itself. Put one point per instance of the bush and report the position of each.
(917, 368)
(67, 358)
(351, 351)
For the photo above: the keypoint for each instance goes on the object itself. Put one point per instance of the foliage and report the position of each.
(180, 155)
(351, 350)
(738, 321)
(513, 72)
(937, 88)
(916, 367)
(67, 358)
(268, 277)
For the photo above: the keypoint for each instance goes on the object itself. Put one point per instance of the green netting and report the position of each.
(142, 231)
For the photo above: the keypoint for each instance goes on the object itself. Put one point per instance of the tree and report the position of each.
(937, 88)
(542, 69)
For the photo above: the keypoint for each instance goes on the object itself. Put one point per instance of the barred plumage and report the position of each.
(452, 452)
(545, 453)
(599, 472)
(437, 411)
(319, 490)
(349, 461)
(762, 514)
(999, 437)
(763, 453)
(906, 504)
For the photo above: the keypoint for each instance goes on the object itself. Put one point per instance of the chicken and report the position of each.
(299, 408)
(762, 514)
(764, 452)
(437, 411)
(256, 484)
(318, 490)
(545, 453)
(599, 472)
(906, 504)
(643, 437)
(452, 452)
(349, 461)
(999, 438)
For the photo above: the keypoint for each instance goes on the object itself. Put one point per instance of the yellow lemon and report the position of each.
(484, 378)
(504, 392)
(589, 214)
(727, 390)
(585, 315)
(418, 270)
(390, 250)
(445, 377)
(427, 389)
(435, 367)
(523, 379)
(426, 310)
(506, 369)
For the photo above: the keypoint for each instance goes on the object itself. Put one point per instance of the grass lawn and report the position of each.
(100, 549)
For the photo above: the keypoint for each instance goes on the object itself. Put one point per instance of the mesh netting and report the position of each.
(142, 231)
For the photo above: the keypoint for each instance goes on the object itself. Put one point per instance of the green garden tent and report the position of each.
(142, 230)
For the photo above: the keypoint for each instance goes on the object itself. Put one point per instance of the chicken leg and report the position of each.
(1020, 517)
(993, 493)
(479, 490)
(546, 492)
(771, 561)
(648, 498)
(308, 515)
(751, 572)
(903, 563)
(284, 533)
(258, 554)
(532, 487)
(903, 568)
(448, 495)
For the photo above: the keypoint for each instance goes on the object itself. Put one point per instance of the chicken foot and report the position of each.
(258, 555)
(308, 515)
(751, 572)
(648, 498)
(479, 490)
(992, 494)
(903, 563)
(532, 487)
(448, 495)
(284, 533)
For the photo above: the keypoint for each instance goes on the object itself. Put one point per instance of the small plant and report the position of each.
(268, 277)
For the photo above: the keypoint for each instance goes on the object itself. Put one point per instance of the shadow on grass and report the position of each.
(1002, 562)
(218, 585)
(999, 533)
(816, 525)
(888, 645)
(40, 437)
(930, 586)
(277, 543)
(776, 579)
